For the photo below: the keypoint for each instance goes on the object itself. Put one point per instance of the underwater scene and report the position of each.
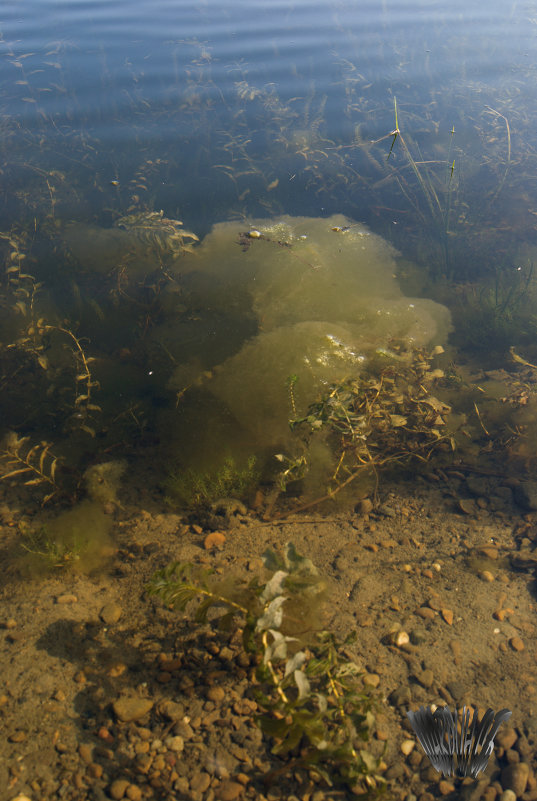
(268, 399)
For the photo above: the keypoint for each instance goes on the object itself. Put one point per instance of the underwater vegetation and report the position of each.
(77, 539)
(314, 711)
(385, 418)
(328, 383)
(192, 488)
(121, 327)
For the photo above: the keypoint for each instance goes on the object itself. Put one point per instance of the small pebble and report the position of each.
(200, 782)
(515, 777)
(506, 738)
(129, 709)
(214, 540)
(507, 795)
(371, 679)
(216, 694)
(407, 746)
(516, 644)
(426, 613)
(68, 598)
(86, 753)
(175, 743)
(447, 614)
(401, 638)
(229, 791)
(118, 788)
(110, 613)
(486, 575)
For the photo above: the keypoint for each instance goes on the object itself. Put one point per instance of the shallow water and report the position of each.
(413, 118)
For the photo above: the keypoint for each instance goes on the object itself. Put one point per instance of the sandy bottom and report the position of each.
(458, 579)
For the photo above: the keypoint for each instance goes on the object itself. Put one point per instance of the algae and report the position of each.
(326, 298)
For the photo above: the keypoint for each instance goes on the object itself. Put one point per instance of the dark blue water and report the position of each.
(268, 91)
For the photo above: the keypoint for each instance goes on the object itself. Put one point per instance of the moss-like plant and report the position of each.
(192, 489)
(313, 708)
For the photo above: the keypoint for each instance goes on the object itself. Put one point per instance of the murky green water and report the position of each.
(133, 328)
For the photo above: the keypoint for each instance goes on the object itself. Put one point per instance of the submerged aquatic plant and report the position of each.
(194, 488)
(158, 232)
(497, 313)
(313, 708)
(383, 418)
(34, 464)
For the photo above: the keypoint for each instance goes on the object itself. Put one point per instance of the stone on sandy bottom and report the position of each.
(515, 777)
(129, 708)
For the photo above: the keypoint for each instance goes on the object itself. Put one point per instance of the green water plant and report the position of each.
(196, 488)
(76, 539)
(35, 464)
(496, 313)
(387, 416)
(312, 705)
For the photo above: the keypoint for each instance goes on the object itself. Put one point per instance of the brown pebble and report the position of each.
(427, 573)
(200, 782)
(426, 613)
(197, 529)
(117, 670)
(169, 665)
(516, 644)
(489, 551)
(134, 793)
(229, 791)
(366, 506)
(95, 770)
(515, 777)
(216, 694)
(104, 734)
(164, 677)
(486, 575)
(110, 613)
(59, 695)
(467, 506)
(85, 752)
(445, 787)
(214, 540)
(17, 737)
(68, 598)
(118, 788)
(506, 737)
(129, 709)
(447, 614)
